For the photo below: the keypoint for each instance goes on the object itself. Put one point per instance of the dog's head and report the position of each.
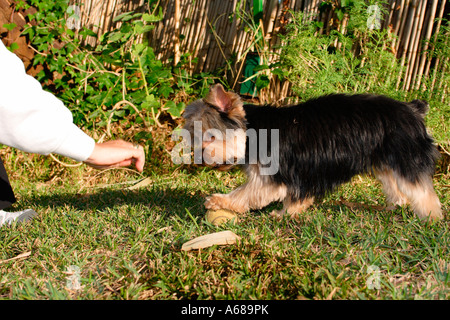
(217, 127)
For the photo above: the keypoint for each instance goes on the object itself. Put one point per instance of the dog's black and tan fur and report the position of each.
(323, 143)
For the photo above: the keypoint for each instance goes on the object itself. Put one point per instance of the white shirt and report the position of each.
(34, 120)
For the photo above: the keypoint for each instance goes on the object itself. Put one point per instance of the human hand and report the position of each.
(116, 153)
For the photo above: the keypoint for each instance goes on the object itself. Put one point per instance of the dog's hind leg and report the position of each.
(292, 207)
(422, 197)
(394, 196)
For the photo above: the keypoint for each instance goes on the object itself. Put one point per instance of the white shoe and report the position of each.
(19, 216)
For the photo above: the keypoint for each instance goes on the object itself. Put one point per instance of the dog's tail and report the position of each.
(420, 107)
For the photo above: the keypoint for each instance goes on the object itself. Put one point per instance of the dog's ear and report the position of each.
(218, 97)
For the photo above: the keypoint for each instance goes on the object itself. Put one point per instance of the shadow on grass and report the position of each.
(172, 201)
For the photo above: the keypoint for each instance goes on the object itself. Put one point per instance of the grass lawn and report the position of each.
(122, 243)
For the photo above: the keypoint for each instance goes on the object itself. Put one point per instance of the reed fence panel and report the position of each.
(215, 35)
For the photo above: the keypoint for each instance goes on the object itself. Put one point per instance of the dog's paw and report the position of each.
(279, 214)
(216, 202)
(224, 201)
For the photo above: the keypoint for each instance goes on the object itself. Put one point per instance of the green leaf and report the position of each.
(278, 72)
(261, 67)
(139, 48)
(150, 103)
(175, 109)
(318, 24)
(14, 46)
(115, 36)
(87, 32)
(340, 14)
(165, 90)
(123, 16)
(262, 81)
(152, 18)
(10, 26)
(145, 29)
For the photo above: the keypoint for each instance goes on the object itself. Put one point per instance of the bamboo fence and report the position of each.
(216, 34)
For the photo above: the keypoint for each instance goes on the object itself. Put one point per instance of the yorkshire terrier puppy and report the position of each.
(299, 153)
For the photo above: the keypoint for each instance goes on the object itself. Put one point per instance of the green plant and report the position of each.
(259, 55)
(318, 60)
(357, 60)
(118, 79)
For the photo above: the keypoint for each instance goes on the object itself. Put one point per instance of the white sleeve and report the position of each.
(34, 120)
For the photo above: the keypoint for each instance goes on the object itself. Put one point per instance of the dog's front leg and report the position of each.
(251, 195)
(236, 200)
